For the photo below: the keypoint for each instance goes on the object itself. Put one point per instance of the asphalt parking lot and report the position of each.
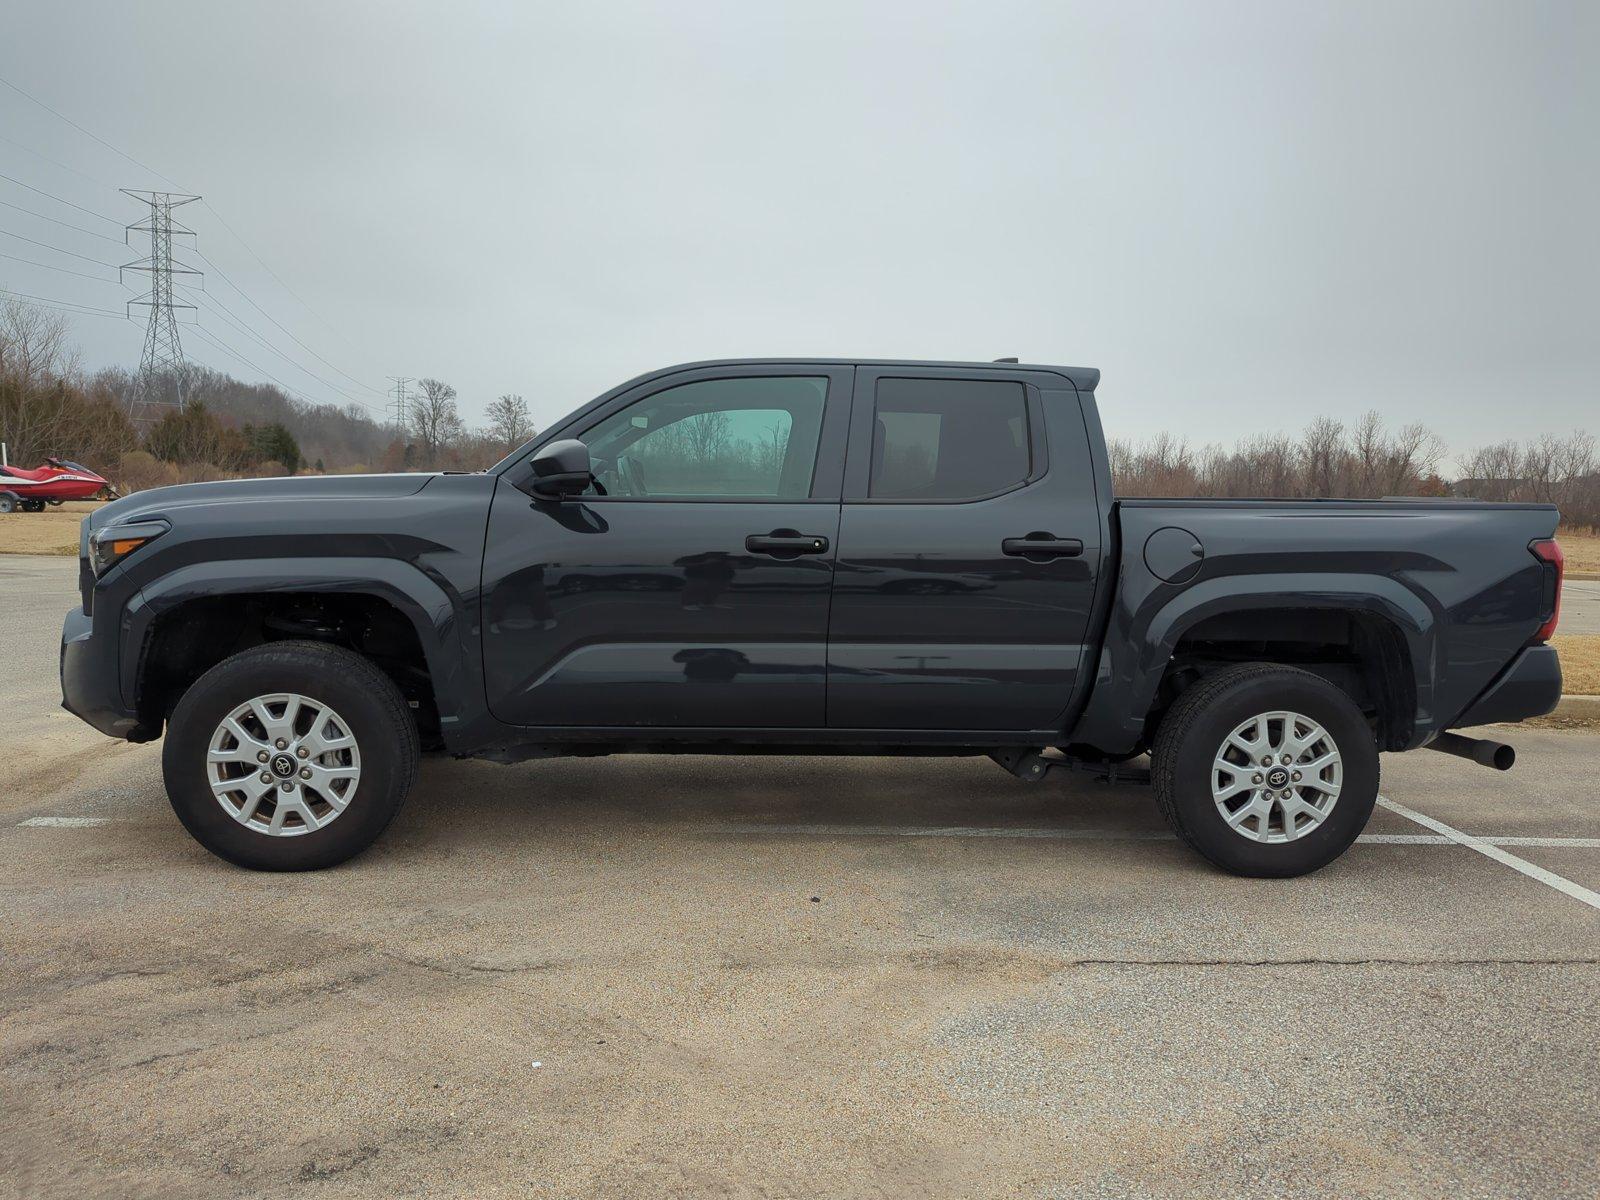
(788, 977)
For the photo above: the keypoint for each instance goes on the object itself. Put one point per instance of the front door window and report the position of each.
(733, 439)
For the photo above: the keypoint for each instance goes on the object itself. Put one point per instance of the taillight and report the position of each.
(1548, 551)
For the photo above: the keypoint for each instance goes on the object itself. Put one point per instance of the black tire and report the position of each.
(1197, 726)
(365, 699)
(8, 502)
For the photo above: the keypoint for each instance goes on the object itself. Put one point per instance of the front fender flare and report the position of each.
(438, 616)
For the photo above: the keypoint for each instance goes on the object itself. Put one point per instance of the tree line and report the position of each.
(50, 406)
(1365, 459)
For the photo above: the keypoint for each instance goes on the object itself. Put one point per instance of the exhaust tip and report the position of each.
(1479, 750)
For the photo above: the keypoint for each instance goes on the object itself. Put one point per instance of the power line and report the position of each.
(216, 305)
(55, 162)
(216, 270)
(60, 199)
(86, 133)
(99, 262)
(46, 302)
(63, 270)
(263, 265)
(64, 224)
(205, 335)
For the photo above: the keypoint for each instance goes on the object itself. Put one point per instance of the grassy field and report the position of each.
(1580, 663)
(1582, 550)
(54, 531)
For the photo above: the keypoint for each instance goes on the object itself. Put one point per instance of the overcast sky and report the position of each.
(1244, 214)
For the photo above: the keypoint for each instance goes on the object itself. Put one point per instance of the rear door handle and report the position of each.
(1042, 545)
(786, 542)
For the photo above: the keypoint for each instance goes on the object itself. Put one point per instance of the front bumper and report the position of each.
(91, 687)
(1529, 687)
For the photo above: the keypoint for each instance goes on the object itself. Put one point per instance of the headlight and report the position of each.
(109, 546)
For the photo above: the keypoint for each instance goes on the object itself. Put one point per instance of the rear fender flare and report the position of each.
(1130, 676)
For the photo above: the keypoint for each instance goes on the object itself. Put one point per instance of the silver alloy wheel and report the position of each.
(283, 764)
(1276, 777)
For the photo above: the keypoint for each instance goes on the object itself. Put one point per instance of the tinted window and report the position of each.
(720, 437)
(947, 439)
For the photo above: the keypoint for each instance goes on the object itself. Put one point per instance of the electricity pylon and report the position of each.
(162, 359)
(398, 406)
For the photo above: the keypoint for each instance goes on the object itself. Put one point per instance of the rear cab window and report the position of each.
(948, 439)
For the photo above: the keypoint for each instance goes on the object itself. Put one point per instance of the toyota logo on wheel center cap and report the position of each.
(1277, 777)
(282, 765)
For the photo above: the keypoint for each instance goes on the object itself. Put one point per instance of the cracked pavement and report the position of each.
(737, 979)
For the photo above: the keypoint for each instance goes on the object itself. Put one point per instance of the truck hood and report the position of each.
(332, 488)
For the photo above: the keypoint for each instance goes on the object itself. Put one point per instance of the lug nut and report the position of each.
(1295, 776)
(302, 752)
(280, 744)
(1267, 761)
(1287, 793)
(1256, 778)
(265, 777)
(261, 756)
(286, 786)
(1287, 760)
(305, 772)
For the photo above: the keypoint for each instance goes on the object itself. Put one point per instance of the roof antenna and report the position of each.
(1012, 359)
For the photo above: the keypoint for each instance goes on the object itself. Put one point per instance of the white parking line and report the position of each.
(65, 822)
(1486, 847)
(1111, 835)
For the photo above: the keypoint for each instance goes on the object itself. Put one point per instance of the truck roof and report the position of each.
(1085, 379)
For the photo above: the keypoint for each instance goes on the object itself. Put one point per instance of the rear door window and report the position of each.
(948, 439)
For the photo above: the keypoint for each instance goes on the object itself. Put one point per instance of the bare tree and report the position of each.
(34, 345)
(1324, 461)
(1550, 470)
(707, 434)
(1366, 455)
(509, 424)
(435, 422)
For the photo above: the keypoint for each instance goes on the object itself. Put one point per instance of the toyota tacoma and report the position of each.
(843, 556)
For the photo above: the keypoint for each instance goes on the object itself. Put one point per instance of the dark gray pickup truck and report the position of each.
(805, 555)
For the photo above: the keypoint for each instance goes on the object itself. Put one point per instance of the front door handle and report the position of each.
(786, 542)
(1042, 545)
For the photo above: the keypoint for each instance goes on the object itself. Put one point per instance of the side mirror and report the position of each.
(559, 469)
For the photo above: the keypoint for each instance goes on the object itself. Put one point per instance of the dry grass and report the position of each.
(1582, 550)
(1580, 663)
(54, 531)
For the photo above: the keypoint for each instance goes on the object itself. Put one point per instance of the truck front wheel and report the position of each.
(290, 756)
(1266, 770)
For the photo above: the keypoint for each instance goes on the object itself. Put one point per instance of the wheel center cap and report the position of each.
(282, 765)
(1277, 777)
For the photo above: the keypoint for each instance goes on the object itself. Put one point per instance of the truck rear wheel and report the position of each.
(290, 756)
(1266, 770)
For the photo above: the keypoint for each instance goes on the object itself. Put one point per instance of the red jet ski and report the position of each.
(52, 483)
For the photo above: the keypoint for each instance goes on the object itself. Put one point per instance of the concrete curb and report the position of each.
(1578, 706)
